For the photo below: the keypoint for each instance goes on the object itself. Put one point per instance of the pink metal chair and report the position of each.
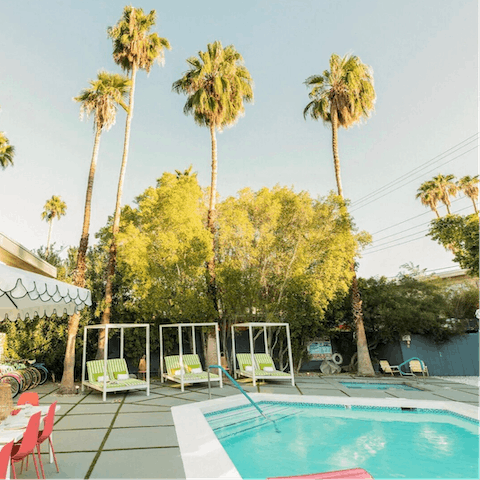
(47, 433)
(23, 449)
(5, 459)
(27, 397)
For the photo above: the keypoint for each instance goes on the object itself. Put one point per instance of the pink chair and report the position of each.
(47, 433)
(23, 449)
(27, 397)
(5, 459)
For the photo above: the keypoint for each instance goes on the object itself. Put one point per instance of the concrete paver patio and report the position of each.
(133, 436)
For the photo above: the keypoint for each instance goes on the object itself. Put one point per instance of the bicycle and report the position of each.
(22, 377)
(9, 375)
(42, 370)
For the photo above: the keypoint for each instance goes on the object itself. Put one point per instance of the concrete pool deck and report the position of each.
(133, 436)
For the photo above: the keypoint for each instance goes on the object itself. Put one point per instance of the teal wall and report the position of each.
(458, 357)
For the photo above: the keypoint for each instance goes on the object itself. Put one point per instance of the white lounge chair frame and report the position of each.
(107, 328)
(179, 326)
(263, 325)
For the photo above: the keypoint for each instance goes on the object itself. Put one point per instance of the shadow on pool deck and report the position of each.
(133, 436)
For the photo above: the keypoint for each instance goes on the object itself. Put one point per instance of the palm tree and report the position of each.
(54, 208)
(428, 195)
(446, 188)
(100, 100)
(469, 186)
(216, 84)
(342, 97)
(134, 48)
(7, 151)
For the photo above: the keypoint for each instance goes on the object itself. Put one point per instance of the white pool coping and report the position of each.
(204, 457)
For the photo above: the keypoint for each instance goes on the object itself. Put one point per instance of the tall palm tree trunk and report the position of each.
(211, 218)
(436, 212)
(336, 159)
(474, 205)
(81, 268)
(365, 367)
(50, 223)
(112, 258)
(212, 284)
(67, 384)
(448, 209)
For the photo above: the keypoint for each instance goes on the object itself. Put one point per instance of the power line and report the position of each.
(411, 228)
(420, 167)
(375, 248)
(413, 218)
(400, 238)
(416, 178)
(398, 233)
(391, 246)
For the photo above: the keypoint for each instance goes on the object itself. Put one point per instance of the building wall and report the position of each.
(458, 357)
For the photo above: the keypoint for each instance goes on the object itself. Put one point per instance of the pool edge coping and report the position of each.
(204, 457)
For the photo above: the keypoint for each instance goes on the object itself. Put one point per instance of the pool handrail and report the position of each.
(235, 383)
(407, 361)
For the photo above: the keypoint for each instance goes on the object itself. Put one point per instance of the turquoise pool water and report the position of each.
(387, 442)
(379, 386)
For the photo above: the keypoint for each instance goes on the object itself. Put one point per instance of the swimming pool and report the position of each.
(203, 455)
(380, 386)
(387, 442)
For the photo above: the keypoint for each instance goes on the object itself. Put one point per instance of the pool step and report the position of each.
(235, 422)
(238, 415)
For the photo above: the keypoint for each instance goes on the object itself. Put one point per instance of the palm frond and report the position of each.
(347, 87)
(216, 84)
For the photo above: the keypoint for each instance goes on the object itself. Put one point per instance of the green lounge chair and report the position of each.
(264, 360)
(95, 369)
(261, 360)
(190, 362)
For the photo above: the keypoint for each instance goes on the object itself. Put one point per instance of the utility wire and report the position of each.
(396, 239)
(398, 233)
(391, 246)
(420, 167)
(413, 218)
(375, 248)
(411, 228)
(416, 178)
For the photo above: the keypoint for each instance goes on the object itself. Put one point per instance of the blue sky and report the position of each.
(425, 61)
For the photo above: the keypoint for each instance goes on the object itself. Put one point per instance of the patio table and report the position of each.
(20, 422)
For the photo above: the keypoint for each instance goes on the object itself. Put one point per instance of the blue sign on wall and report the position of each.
(320, 349)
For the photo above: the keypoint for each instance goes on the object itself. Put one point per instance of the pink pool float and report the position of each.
(352, 473)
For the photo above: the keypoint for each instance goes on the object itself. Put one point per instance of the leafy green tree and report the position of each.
(408, 304)
(217, 84)
(460, 235)
(54, 208)
(134, 48)
(100, 100)
(163, 248)
(283, 256)
(7, 151)
(343, 96)
(469, 186)
(462, 301)
(428, 195)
